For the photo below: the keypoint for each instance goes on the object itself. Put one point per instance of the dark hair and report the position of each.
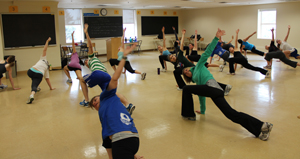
(11, 61)
(192, 44)
(80, 61)
(241, 42)
(186, 78)
(91, 101)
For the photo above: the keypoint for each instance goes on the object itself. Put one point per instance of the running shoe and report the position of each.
(227, 90)
(224, 63)
(268, 74)
(143, 75)
(189, 118)
(221, 67)
(265, 131)
(163, 70)
(38, 89)
(30, 99)
(69, 81)
(130, 108)
(84, 103)
(267, 67)
(3, 86)
(180, 89)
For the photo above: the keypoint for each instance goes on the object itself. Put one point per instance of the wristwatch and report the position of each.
(124, 57)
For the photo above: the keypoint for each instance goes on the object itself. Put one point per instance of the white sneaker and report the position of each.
(3, 86)
(221, 67)
(180, 89)
(227, 90)
(38, 89)
(267, 67)
(30, 99)
(265, 131)
(143, 75)
(69, 81)
(163, 70)
(268, 74)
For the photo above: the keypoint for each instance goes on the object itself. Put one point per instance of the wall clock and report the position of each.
(103, 11)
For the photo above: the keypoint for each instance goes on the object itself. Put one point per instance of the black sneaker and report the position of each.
(130, 108)
(189, 118)
(265, 131)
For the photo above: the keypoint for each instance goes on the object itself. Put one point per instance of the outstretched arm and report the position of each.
(182, 39)
(249, 36)
(114, 80)
(230, 40)
(73, 43)
(49, 84)
(175, 33)
(236, 39)
(272, 30)
(288, 33)
(195, 41)
(88, 39)
(11, 79)
(164, 38)
(122, 42)
(46, 47)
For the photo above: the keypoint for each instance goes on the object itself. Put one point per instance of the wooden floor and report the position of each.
(55, 126)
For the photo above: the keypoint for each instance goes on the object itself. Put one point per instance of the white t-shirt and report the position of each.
(285, 46)
(42, 66)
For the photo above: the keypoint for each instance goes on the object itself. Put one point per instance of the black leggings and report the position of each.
(250, 123)
(163, 58)
(127, 65)
(36, 79)
(280, 55)
(254, 50)
(125, 148)
(244, 62)
(194, 57)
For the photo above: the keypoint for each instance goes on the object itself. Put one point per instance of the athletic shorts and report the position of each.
(97, 77)
(73, 68)
(295, 53)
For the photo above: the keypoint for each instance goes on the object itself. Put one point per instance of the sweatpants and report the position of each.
(244, 62)
(280, 55)
(250, 123)
(127, 65)
(36, 79)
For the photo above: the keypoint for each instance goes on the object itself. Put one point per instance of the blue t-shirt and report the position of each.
(248, 46)
(120, 56)
(166, 52)
(218, 50)
(113, 115)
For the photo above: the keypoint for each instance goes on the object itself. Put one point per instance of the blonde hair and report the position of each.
(186, 78)
(91, 102)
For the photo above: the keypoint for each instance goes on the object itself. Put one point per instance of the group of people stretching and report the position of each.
(119, 134)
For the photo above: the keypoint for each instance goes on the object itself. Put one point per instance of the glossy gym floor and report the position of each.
(55, 126)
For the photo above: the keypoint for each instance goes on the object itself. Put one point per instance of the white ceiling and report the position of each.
(156, 4)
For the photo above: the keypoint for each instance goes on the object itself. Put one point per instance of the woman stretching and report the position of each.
(207, 86)
(287, 49)
(6, 65)
(274, 52)
(164, 53)
(114, 62)
(240, 59)
(247, 46)
(74, 65)
(37, 72)
(119, 134)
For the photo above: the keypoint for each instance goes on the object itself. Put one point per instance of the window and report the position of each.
(266, 21)
(129, 22)
(73, 20)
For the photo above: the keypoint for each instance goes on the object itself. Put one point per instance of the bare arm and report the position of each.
(73, 43)
(122, 42)
(236, 39)
(11, 79)
(182, 39)
(114, 80)
(46, 46)
(231, 40)
(164, 38)
(288, 33)
(195, 41)
(249, 36)
(49, 84)
(235, 65)
(88, 39)
(272, 30)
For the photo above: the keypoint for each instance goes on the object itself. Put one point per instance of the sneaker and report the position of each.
(3, 86)
(69, 81)
(130, 108)
(30, 99)
(221, 67)
(163, 70)
(268, 74)
(38, 89)
(265, 131)
(180, 89)
(143, 75)
(267, 67)
(189, 118)
(227, 90)
(84, 103)
(230, 73)
(224, 63)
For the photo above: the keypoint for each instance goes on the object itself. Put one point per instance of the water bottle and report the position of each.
(135, 40)
(125, 40)
(130, 39)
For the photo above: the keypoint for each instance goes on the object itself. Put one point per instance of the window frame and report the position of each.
(260, 24)
(81, 39)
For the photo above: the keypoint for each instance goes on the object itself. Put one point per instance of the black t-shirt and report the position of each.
(227, 46)
(272, 47)
(238, 54)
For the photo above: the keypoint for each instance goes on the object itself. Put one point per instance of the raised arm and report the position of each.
(114, 79)
(182, 39)
(73, 43)
(249, 36)
(236, 39)
(46, 47)
(86, 26)
(288, 33)
(272, 30)
(175, 33)
(164, 38)
(230, 40)
(122, 41)
(195, 41)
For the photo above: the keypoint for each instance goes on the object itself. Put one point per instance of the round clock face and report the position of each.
(103, 11)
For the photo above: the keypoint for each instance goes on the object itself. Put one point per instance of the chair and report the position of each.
(201, 40)
(66, 53)
(83, 50)
(138, 46)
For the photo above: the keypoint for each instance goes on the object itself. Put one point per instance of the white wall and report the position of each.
(206, 21)
(27, 57)
(147, 41)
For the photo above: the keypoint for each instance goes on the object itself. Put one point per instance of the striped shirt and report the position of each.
(95, 64)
